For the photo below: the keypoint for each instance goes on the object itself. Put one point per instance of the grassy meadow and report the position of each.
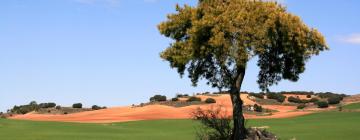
(319, 126)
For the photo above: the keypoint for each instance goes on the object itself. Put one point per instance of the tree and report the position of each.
(215, 39)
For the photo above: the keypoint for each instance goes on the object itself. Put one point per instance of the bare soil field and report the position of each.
(156, 112)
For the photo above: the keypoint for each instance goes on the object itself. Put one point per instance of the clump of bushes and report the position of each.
(158, 98)
(210, 101)
(23, 109)
(277, 96)
(47, 105)
(96, 107)
(294, 99)
(257, 95)
(193, 99)
(77, 105)
(258, 108)
(314, 100)
(334, 100)
(301, 106)
(322, 104)
(175, 99)
(58, 107)
(308, 96)
(182, 95)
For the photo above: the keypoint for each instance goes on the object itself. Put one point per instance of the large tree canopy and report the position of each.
(215, 39)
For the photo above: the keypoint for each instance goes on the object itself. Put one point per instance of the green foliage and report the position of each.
(258, 108)
(277, 96)
(158, 98)
(346, 127)
(96, 107)
(58, 107)
(47, 105)
(193, 99)
(301, 106)
(215, 39)
(297, 100)
(314, 100)
(23, 109)
(77, 105)
(182, 95)
(175, 99)
(210, 101)
(322, 104)
(334, 100)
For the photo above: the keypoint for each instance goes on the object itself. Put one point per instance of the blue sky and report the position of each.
(106, 52)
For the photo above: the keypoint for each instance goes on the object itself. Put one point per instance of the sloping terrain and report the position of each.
(155, 112)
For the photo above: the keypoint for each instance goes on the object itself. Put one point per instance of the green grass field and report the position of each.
(320, 126)
(352, 106)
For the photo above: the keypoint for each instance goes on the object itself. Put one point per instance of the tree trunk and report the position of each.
(239, 130)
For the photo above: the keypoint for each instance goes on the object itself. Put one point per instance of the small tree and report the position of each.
(322, 104)
(77, 105)
(215, 39)
(210, 101)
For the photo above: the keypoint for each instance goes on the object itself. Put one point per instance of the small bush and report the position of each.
(47, 105)
(182, 95)
(301, 106)
(334, 100)
(210, 101)
(65, 113)
(158, 98)
(193, 98)
(175, 99)
(104, 107)
(261, 96)
(314, 100)
(277, 96)
(294, 99)
(58, 107)
(322, 104)
(77, 105)
(95, 107)
(258, 108)
(304, 101)
(308, 96)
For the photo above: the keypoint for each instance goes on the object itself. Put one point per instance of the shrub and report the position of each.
(277, 96)
(301, 106)
(58, 107)
(322, 104)
(193, 98)
(308, 96)
(294, 99)
(216, 125)
(334, 100)
(104, 107)
(210, 101)
(95, 107)
(65, 113)
(314, 100)
(158, 98)
(304, 101)
(47, 105)
(175, 99)
(258, 108)
(261, 96)
(77, 105)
